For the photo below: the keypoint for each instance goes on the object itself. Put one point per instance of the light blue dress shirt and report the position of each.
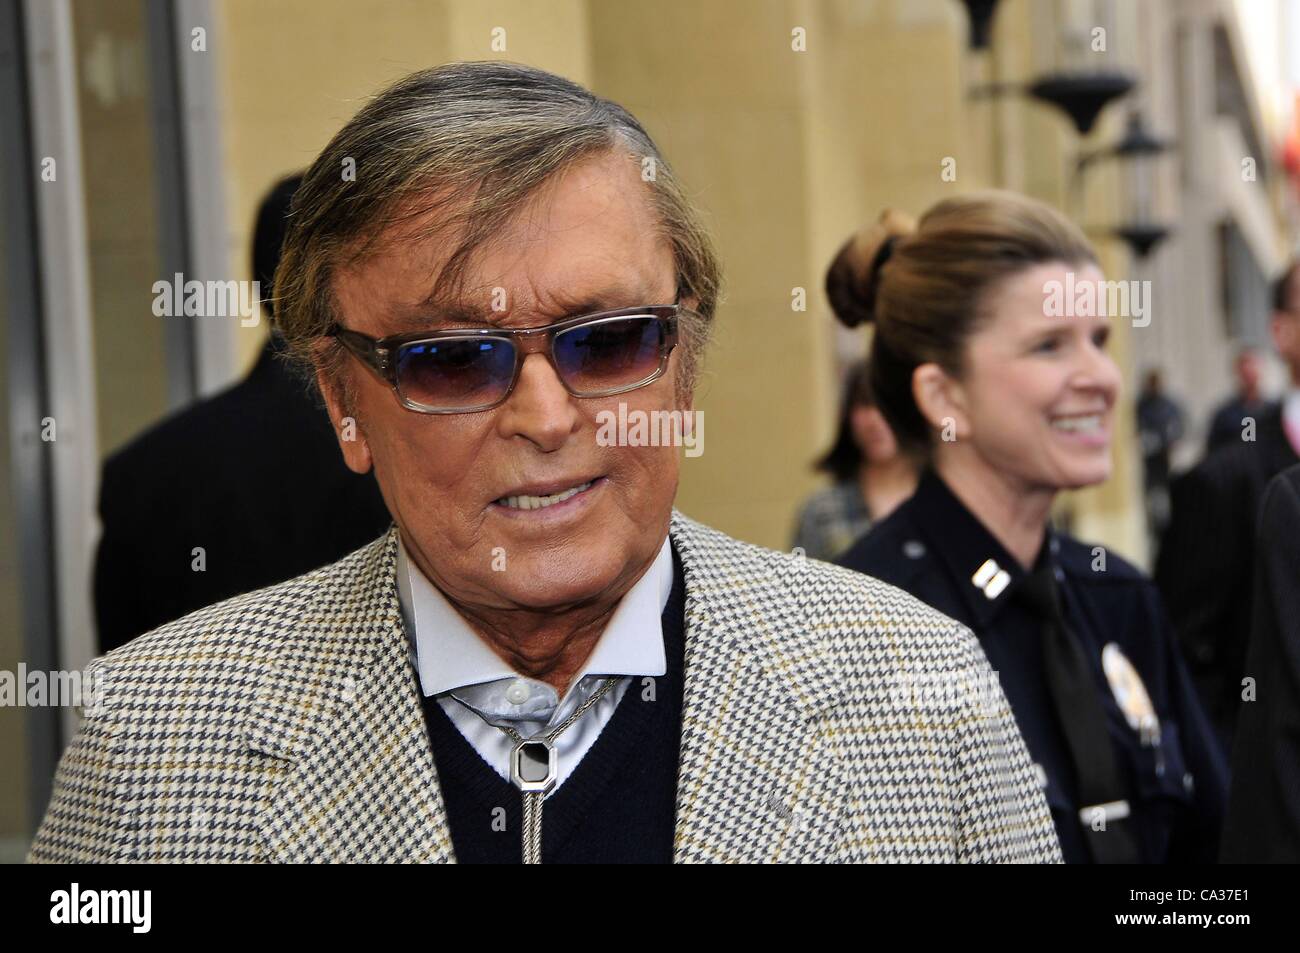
(479, 690)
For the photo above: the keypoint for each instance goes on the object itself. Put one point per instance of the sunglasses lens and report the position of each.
(457, 373)
(607, 355)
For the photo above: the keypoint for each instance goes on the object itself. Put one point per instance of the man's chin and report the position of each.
(564, 579)
(553, 595)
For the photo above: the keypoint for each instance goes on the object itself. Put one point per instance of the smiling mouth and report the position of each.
(524, 502)
(1085, 424)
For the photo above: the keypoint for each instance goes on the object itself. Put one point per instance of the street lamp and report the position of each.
(1138, 149)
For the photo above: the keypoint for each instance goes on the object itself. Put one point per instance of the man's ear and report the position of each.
(356, 450)
(942, 401)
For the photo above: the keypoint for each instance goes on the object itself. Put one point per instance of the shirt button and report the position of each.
(913, 549)
(518, 692)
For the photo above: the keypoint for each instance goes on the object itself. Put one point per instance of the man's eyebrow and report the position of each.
(436, 312)
(607, 299)
(427, 316)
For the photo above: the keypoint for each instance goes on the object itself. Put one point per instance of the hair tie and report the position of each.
(882, 254)
(878, 260)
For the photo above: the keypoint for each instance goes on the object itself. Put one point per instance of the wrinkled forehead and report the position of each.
(588, 240)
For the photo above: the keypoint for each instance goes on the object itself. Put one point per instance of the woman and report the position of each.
(871, 477)
(1012, 402)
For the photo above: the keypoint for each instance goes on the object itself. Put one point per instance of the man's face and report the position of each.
(1286, 330)
(1249, 371)
(587, 242)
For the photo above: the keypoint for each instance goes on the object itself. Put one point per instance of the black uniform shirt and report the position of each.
(935, 549)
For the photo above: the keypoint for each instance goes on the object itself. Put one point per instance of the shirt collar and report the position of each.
(987, 575)
(450, 655)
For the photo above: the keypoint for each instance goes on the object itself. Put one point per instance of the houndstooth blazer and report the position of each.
(286, 725)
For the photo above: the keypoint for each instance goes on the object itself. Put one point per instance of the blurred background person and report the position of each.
(870, 475)
(236, 492)
(1205, 568)
(1263, 823)
(1247, 403)
(1013, 405)
(1160, 422)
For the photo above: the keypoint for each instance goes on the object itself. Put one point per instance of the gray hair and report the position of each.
(472, 142)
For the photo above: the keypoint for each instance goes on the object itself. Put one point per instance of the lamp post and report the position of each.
(1073, 85)
(1138, 149)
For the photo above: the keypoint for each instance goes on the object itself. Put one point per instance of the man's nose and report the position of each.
(539, 409)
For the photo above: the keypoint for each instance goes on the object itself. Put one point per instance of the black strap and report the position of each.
(1083, 721)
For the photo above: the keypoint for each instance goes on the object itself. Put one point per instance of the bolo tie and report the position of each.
(534, 768)
(1083, 721)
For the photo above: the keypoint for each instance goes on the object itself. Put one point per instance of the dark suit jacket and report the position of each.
(1264, 803)
(253, 476)
(1205, 568)
(1226, 421)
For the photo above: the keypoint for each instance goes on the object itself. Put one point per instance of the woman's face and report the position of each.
(1038, 390)
(872, 434)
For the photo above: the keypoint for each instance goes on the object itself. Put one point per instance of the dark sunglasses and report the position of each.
(470, 369)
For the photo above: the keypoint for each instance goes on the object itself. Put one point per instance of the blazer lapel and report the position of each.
(760, 778)
(341, 726)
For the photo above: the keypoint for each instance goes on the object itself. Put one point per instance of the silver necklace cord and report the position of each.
(533, 797)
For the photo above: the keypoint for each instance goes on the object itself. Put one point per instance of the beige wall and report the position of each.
(787, 152)
(294, 71)
(725, 98)
(121, 218)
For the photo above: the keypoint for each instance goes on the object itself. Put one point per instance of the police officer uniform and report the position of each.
(1129, 764)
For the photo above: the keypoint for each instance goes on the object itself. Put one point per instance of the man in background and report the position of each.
(1205, 569)
(1160, 427)
(239, 491)
(1246, 404)
(1263, 822)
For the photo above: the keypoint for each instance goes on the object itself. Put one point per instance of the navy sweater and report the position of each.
(618, 805)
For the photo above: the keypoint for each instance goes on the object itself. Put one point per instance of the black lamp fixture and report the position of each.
(1072, 87)
(1141, 239)
(1138, 148)
(1138, 144)
(1081, 96)
(981, 22)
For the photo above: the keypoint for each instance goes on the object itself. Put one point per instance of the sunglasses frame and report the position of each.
(380, 355)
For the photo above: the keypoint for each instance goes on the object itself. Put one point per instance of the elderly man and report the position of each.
(542, 660)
